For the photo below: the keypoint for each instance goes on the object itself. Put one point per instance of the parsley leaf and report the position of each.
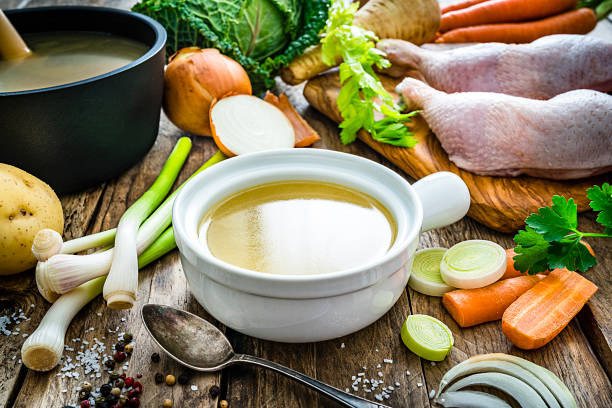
(532, 250)
(601, 200)
(572, 255)
(356, 47)
(557, 221)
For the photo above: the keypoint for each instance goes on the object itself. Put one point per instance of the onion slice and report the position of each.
(471, 399)
(517, 389)
(473, 264)
(425, 275)
(244, 124)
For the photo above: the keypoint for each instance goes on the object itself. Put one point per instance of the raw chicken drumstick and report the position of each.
(566, 137)
(540, 70)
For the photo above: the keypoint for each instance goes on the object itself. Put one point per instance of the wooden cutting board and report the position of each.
(501, 203)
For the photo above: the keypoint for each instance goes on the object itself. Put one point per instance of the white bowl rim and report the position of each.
(395, 251)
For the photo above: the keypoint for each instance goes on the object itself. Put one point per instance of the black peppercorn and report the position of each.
(120, 356)
(110, 364)
(119, 346)
(105, 389)
(83, 395)
(159, 378)
(119, 383)
(113, 375)
(155, 358)
(214, 391)
(183, 378)
(127, 337)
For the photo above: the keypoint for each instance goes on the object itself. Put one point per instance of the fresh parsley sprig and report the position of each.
(361, 88)
(551, 238)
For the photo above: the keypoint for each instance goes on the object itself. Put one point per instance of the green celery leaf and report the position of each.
(557, 221)
(532, 251)
(601, 200)
(574, 256)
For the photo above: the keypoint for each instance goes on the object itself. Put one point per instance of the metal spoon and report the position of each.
(197, 344)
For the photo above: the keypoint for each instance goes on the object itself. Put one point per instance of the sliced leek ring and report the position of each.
(425, 275)
(517, 389)
(427, 337)
(471, 399)
(473, 264)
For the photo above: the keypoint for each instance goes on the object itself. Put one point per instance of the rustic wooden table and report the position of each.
(581, 355)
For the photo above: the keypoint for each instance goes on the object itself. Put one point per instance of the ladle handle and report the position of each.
(343, 398)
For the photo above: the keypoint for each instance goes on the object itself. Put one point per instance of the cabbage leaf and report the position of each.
(262, 35)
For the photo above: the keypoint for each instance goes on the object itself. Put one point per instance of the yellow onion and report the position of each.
(194, 78)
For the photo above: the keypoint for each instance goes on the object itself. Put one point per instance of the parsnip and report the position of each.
(416, 21)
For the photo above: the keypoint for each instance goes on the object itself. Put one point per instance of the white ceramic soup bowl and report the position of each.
(305, 308)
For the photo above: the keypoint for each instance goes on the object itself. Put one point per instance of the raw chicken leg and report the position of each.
(540, 70)
(566, 137)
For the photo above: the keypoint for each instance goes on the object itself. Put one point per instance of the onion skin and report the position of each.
(195, 77)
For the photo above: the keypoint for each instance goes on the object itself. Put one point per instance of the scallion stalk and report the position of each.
(43, 349)
(48, 243)
(122, 281)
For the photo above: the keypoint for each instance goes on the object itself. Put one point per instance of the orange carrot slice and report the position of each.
(305, 135)
(470, 307)
(543, 311)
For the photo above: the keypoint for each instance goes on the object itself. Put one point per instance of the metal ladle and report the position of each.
(197, 344)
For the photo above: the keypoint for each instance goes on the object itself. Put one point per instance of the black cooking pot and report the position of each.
(76, 135)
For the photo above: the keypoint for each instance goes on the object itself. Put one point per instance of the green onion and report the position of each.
(48, 242)
(473, 264)
(122, 282)
(43, 349)
(425, 275)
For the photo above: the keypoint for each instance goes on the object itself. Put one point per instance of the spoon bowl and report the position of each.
(199, 345)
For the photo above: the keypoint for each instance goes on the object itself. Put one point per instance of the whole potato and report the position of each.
(27, 205)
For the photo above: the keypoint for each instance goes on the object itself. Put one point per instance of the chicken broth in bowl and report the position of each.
(298, 228)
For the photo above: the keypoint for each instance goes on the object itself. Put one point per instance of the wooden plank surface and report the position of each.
(570, 355)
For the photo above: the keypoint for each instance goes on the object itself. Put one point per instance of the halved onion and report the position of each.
(473, 264)
(425, 275)
(244, 124)
(471, 399)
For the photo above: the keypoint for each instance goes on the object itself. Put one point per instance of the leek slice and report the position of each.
(473, 264)
(471, 399)
(425, 275)
(521, 392)
(427, 337)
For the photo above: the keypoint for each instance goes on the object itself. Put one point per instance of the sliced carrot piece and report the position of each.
(305, 135)
(543, 311)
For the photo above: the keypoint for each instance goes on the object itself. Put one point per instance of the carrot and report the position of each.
(304, 134)
(460, 5)
(543, 311)
(579, 21)
(470, 307)
(503, 11)
(513, 273)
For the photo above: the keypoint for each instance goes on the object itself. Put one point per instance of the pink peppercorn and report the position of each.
(129, 382)
(138, 375)
(85, 404)
(134, 402)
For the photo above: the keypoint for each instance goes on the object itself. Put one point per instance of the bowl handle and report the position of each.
(445, 199)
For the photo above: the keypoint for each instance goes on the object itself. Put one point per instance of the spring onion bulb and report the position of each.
(63, 272)
(48, 242)
(425, 275)
(427, 337)
(473, 264)
(122, 281)
(517, 389)
(43, 349)
(471, 399)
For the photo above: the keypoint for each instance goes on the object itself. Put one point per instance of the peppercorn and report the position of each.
(214, 391)
(120, 356)
(155, 357)
(170, 380)
(85, 404)
(134, 402)
(128, 348)
(167, 403)
(129, 382)
(110, 364)
(105, 389)
(98, 400)
(119, 383)
(159, 378)
(123, 399)
(116, 391)
(223, 404)
(119, 346)
(137, 386)
(83, 395)
(117, 406)
(86, 386)
(127, 337)
(138, 375)
(183, 378)
(111, 399)
(102, 404)
(113, 375)
(123, 375)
